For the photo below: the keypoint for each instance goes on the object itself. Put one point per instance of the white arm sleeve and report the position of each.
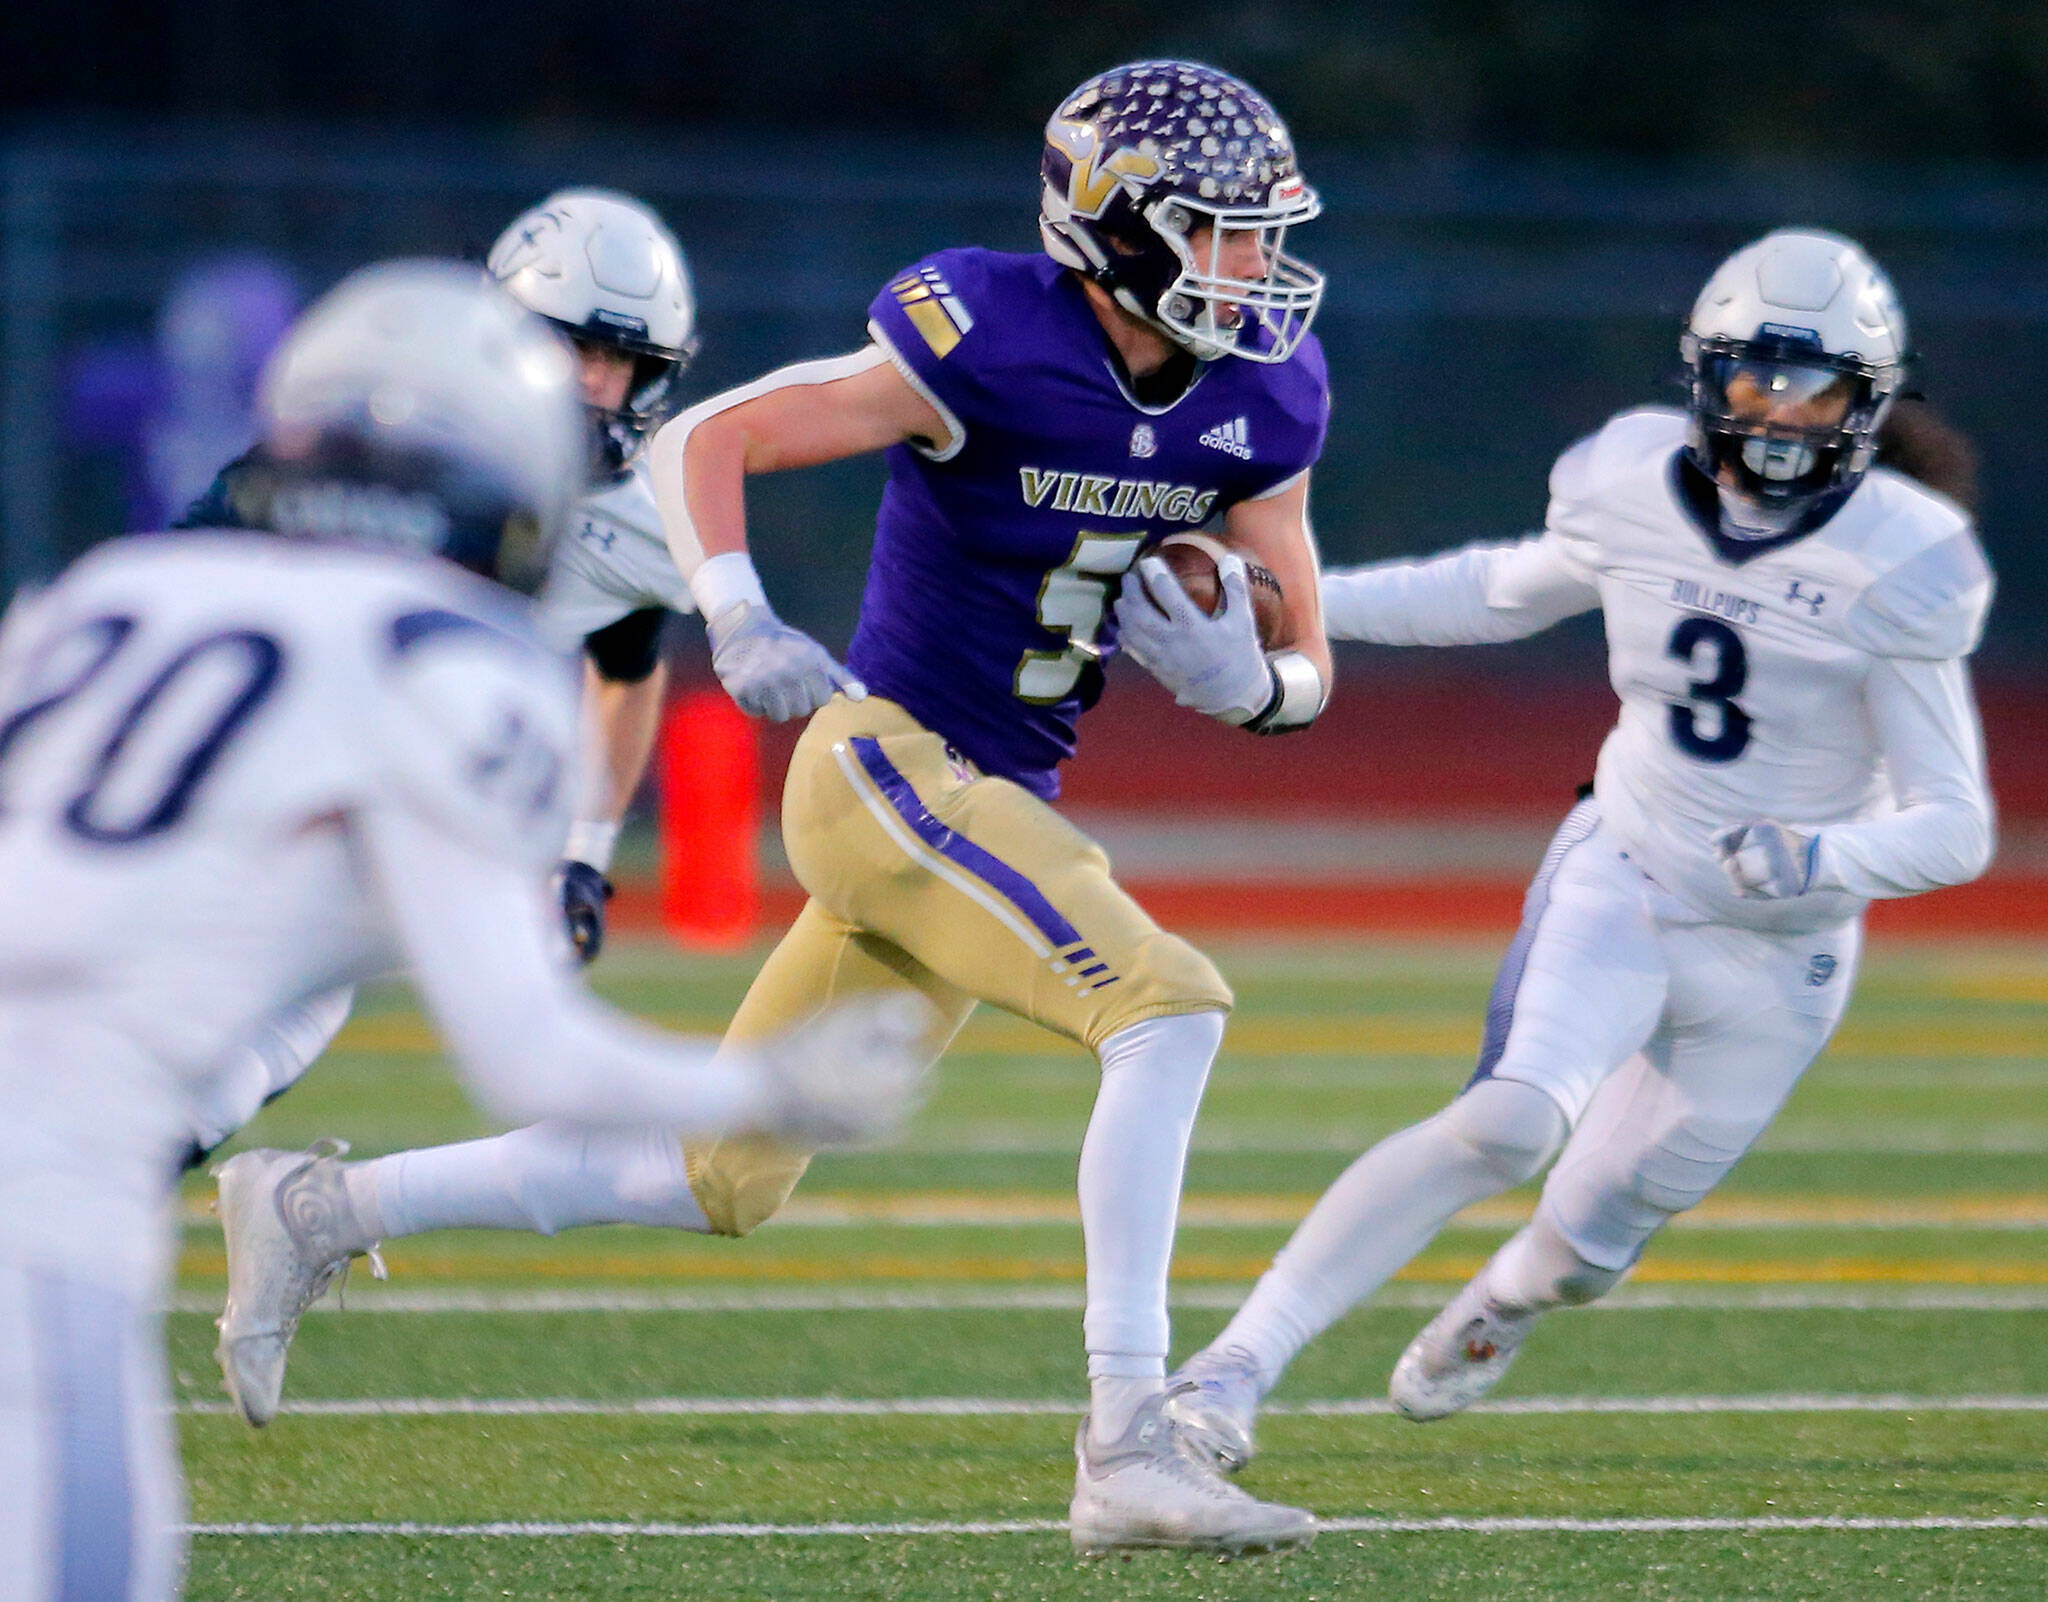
(530, 1041)
(1481, 595)
(1942, 833)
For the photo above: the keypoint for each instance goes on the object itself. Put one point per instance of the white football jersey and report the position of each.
(1815, 680)
(192, 729)
(613, 559)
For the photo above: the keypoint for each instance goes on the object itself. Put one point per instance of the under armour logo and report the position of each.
(599, 536)
(1813, 600)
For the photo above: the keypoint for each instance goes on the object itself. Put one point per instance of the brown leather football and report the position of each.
(1194, 558)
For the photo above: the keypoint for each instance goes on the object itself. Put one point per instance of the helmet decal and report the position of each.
(1092, 184)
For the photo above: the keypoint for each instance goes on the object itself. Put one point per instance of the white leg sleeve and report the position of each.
(1386, 1207)
(545, 1178)
(1131, 1166)
(93, 1501)
(268, 1066)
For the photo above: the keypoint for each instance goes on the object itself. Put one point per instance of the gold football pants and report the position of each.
(925, 874)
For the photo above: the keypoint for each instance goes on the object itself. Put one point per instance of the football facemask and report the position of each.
(1779, 425)
(1216, 307)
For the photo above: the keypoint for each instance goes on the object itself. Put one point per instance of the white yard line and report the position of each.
(1054, 1298)
(1355, 1526)
(1023, 1407)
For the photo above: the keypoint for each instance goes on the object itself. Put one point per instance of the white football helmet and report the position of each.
(604, 269)
(1797, 348)
(417, 407)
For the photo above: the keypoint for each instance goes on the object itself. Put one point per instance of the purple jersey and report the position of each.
(996, 559)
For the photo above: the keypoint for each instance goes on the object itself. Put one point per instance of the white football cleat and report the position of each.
(291, 1231)
(1213, 1404)
(1142, 1490)
(1460, 1355)
(852, 1075)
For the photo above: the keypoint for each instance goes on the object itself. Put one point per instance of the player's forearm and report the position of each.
(1475, 596)
(530, 1042)
(1926, 847)
(624, 718)
(1274, 531)
(1944, 832)
(797, 416)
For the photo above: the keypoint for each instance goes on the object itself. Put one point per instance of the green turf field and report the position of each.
(1832, 1381)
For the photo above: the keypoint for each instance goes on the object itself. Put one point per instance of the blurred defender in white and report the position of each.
(606, 272)
(1787, 628)
(239, 769)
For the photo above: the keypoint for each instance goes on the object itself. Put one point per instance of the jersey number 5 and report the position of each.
(1071, 602)
(1723, 735)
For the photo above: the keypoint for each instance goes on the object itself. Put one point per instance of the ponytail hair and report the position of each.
(1918, 441)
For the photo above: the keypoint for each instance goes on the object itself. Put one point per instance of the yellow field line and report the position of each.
(944, 1208)
(856, 1268)
(1358, 1036)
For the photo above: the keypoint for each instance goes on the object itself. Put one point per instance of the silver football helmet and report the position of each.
(606, 271)
(1797, 350)
(417, 407)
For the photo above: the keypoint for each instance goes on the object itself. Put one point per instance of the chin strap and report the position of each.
(1299, 695)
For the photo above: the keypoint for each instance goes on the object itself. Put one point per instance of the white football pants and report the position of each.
(1652, 1047)
(1668, 1042)
(92, 1501)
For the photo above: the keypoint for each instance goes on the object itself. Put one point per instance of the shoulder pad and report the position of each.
(629, 503)
(477, 728)
(1646, 434)
(1930, 607)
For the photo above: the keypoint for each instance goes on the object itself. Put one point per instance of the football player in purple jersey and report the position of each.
(1045, 417)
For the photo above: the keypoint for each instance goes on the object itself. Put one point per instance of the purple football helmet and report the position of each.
(1154, 173)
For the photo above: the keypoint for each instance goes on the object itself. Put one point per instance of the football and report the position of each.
(1194, 558)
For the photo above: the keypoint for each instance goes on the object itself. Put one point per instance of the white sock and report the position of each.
(1114, 1400)
(1385, 1208)
(1131, 1166)
(1539, 1269)
(546, 1178)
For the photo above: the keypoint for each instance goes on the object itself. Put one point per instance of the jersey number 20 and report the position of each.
(239, 666)
(1723, 734)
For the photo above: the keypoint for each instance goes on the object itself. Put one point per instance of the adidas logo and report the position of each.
(1232, 436)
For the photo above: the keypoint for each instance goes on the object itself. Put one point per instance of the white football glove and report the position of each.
(772, 670)
(853, 1074)
(1213, 664)
(1767, 861)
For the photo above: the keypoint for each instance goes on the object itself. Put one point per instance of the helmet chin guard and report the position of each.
(1796, 349)
(1173, 185)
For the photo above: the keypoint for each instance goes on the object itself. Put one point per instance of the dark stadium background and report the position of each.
(1522, 199)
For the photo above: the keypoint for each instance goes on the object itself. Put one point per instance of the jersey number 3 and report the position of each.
(1723, 734)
